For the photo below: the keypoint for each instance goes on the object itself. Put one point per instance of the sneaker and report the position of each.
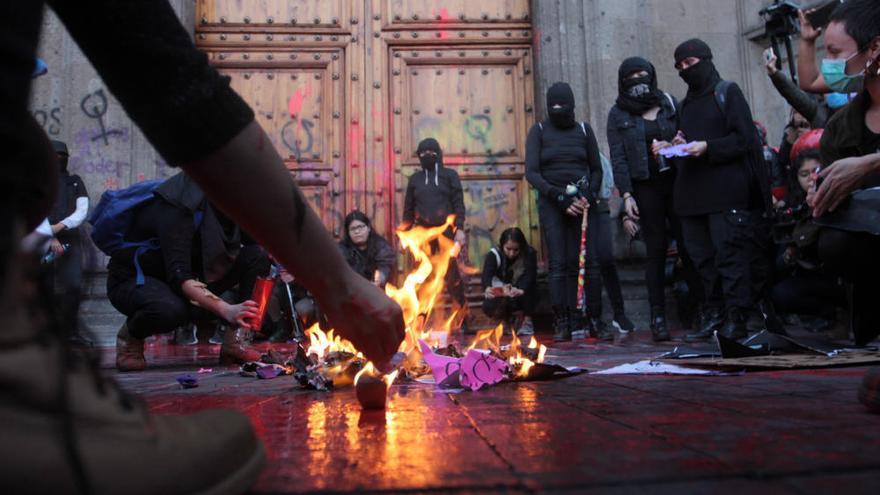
(186, 335)
(623, 324)
(599, 330)
(526, 328)
(217, 338)
(129, 351)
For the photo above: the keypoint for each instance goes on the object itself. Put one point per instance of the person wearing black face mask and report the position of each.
(66, 217)
(562, 152)
(432, 194)
(643, 120)
(717, 195)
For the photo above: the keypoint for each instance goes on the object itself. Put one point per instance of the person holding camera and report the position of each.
(510, 276)
(803, 287)
(720, 189)
(562, 163)
(642, 122)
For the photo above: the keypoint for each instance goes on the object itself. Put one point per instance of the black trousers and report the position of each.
(502, 308)
(601, 258)
(562, 238)
(721, 245)
(854, 256)
(455, 284)
(809, 293)
(155, 308)
(659, 224)
(68, 284)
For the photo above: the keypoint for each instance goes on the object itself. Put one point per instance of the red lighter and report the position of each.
(262, 290)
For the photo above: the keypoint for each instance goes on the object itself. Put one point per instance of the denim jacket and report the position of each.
(626, 140)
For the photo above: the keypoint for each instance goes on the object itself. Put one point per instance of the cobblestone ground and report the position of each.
(799, 431)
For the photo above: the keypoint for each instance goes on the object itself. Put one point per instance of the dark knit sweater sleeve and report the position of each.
(533, 165)
(148, 61)
(741, 129)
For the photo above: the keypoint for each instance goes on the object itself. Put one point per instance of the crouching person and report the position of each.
(510, 273)
(194, 254)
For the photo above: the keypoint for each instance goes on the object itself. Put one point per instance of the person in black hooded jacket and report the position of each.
(714, 193)
(432, 194)
(563, 164)
(642, 121)
(201, 254)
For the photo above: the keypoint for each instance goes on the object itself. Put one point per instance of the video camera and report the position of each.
(781, 19)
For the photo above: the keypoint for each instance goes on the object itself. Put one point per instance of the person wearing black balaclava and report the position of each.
(432, 194)
(200, 255)
(66, 217)
(563, 164)
(716, 194)
(643, 120)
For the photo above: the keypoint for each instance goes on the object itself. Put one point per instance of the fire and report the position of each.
(418, 297)
(421, 291)
(323, 343)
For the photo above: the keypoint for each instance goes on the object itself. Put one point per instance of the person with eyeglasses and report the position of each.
(367, 252)
(432, 194)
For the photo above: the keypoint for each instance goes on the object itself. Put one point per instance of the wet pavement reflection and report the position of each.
(777, 431)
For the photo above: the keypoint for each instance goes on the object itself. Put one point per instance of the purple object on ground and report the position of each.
(188, 381)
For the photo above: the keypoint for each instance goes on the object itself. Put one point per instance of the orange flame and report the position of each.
(323, 343)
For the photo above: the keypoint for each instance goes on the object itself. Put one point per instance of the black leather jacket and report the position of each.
(626, 139)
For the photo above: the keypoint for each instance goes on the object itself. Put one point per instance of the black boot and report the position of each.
(735, 325)
(561, 325)
(599, 330)
(659, 332)
(772, 321)
(710, 321)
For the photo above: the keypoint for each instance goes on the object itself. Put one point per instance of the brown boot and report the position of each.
(66, 428)
(236, 348)
(129, 351)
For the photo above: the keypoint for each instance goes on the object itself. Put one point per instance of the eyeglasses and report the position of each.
(358, 228)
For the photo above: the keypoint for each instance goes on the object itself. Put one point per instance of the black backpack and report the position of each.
(758, 171)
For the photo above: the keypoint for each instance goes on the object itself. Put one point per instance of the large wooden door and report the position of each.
(347, 88)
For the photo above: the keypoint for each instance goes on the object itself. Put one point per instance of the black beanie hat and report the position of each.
(694, 47)
(429, 144)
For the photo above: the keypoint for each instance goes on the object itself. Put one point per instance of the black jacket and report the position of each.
(846, 135)
(626, 140)
(719, 180)
(379, 256)
(70, 187)
(427, 203)
(525, 282)
(556, 157)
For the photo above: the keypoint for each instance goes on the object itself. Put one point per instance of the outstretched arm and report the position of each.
(247, 180)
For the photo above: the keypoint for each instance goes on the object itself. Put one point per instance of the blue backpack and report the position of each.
(113, 216)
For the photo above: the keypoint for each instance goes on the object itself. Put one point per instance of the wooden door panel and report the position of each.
(476, 103)
(457, 11)
(294, 95)
(274, 13)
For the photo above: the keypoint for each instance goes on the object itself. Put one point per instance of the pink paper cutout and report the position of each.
(441, 366)
(479, 368)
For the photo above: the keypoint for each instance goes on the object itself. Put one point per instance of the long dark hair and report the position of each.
(796, 195)
(362, 217)
(516, 235)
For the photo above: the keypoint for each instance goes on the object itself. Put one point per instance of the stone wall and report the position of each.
(72, 103)
(583, 43)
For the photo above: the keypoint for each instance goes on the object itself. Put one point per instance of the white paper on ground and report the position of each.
(648, 367)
